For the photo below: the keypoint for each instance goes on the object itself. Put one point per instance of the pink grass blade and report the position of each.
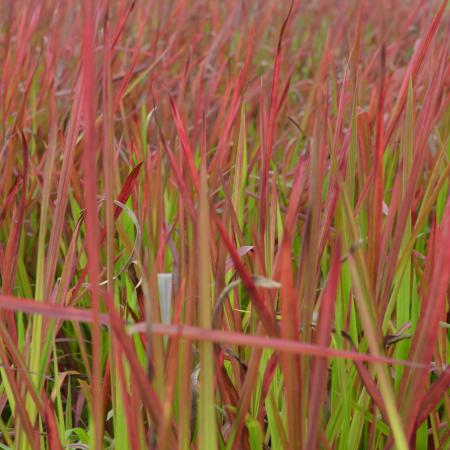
(271, 124)
(423, 345)
(263, 309)
(413, 70)
(319, 372)
(195, 333)
(92, 225)
(434, 396)
(185, 145)
(377, 192)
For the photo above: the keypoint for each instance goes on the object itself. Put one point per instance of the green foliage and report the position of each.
(287, 165)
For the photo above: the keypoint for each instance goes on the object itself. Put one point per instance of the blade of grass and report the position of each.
(207, 436)
(319, 372)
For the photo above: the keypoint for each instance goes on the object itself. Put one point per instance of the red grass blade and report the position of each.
(425, 338)
(377, 193)
(413, 70)
(434, 395)
(319, 372)
(265, 312)
(194, 333)
(270, 134)
(92, 224)
(185, 145)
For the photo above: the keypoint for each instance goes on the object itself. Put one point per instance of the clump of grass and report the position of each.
(285, 166)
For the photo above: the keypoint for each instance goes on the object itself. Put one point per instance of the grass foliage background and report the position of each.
(224, 225)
